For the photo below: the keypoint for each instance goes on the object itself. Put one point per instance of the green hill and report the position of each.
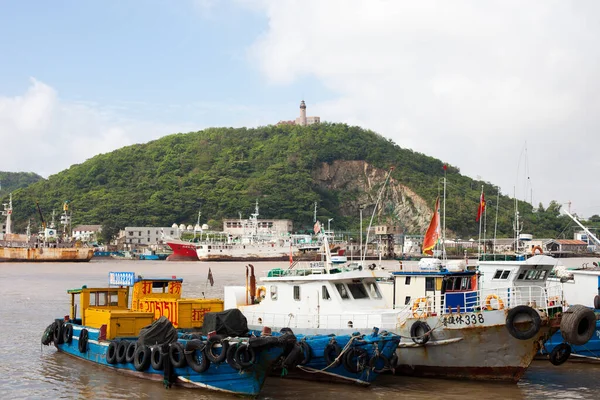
(11, 181)
(223, 171)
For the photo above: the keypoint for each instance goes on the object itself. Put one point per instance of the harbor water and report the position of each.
(32, 295)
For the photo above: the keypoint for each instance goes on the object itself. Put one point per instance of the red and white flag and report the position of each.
(317, 227)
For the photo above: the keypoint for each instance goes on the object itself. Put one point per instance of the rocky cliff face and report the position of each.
(359, 184)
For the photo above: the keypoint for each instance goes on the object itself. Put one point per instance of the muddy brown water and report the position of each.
(32, 295)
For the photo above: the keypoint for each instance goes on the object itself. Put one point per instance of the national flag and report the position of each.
(317, 227)
(291, 259)
(210, 277)
(433, 234)
(481, 208)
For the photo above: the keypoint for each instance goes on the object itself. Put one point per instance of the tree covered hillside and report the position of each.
(11, 181)
(223, 171)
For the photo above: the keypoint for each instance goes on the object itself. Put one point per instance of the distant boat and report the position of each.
(46, 247)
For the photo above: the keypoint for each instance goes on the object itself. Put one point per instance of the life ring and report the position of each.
(156, 358)
(419, 308)
(141, 358)
(68, 334)
(261, 292)
(331, 353)
(488, 302)
(213, 343)
(111, 352)
(534, 248)
(122, 351)
(177, 355)
(83, 340)
(560, 354)
(195, 356)
(420, 332)
(355, 360)
(535, 320)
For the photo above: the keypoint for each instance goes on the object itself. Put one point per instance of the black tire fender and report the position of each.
(375, 363)
(355, 359)
(57, 337)
(560, 354)
(177, 355)
(245, 356)
(212, 344)
(68, 333)
(83, 340)
(195, 356)
(331, 353)
(130, 353)
(306, 353)
(534, 316)
(420, 332)
(294, 356)
(48, 335)
(111, 352)
(230, 358)
(141, 358)
(578, 324)
(156, 358)
(122, 351)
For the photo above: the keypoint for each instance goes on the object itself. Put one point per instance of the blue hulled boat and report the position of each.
(133, 341)
(342, 358)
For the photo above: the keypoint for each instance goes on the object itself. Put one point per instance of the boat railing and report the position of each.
(539, 297)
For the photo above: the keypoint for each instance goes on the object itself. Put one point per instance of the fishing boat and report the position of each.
(134, 341)
(456, 327)
(48, 246)
(357, 358)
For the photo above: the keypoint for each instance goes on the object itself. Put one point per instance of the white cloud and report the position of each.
(41, 133)
(468, 82)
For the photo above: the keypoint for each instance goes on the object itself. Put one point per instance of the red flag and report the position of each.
(317, 227)
(210, 277)
(291, 259)
(433, 232)
(481, 208)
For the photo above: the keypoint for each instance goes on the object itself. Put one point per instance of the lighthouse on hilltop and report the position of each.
(302, 120)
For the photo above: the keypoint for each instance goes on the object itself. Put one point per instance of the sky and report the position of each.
(507, 91)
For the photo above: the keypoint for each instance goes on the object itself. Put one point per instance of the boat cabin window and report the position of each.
(407, 300)
(358, 290)
(103, 299)
(342, 291)
(296, 292)
(273, 293)
(458, 283)
(325, 293)
(373, 290)
(501, 274)
(160, 287)
(407, 280)
(429, 284)
(532, 275)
